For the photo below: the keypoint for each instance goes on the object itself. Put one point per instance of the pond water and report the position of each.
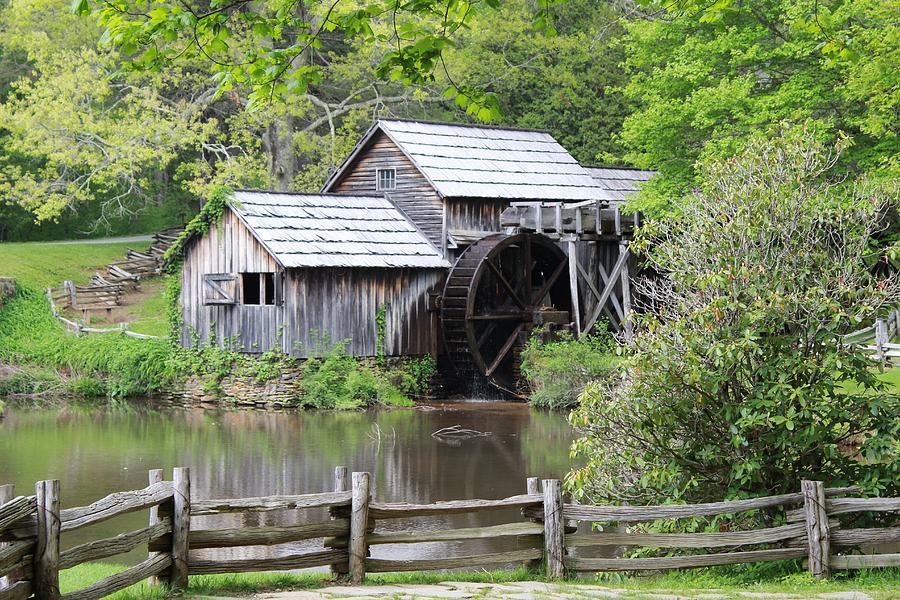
(95, 451)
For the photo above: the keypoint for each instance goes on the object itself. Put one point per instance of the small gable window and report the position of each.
(386, 179)
(258, 288)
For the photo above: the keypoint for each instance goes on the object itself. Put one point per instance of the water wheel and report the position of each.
(500, 288)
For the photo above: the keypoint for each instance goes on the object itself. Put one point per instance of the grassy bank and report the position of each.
(881, 584)
(46, 359)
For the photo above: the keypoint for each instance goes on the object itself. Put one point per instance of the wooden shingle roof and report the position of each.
(469, 161)
(327, 230)
(619, 181)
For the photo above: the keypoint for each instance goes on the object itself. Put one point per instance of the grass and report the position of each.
(31, 337)
(42, 265)
(784, 577)
(39, 265)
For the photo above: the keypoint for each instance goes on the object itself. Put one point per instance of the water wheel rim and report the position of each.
(500, 243)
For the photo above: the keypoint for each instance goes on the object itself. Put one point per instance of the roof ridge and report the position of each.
(319, 194)
(618, 167)
(469, 125)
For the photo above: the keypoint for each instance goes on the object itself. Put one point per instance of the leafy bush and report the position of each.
(738, 384)
(559, 370)
(335, 379)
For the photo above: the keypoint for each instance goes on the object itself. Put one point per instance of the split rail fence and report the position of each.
(31, 558)
(876, 339)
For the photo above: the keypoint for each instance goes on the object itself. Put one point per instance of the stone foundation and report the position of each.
(280, 393)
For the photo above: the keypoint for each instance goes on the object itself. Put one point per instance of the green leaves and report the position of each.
(738, 382)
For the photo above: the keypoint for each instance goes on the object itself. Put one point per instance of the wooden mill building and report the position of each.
(430, 238)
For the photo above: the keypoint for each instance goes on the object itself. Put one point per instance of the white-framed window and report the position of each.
(386, 179)
(258, 288)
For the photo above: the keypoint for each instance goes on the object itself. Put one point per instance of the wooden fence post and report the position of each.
(816, 528)
(181, 526)
(46, 555)
(155, 476)
(341, 484)
(533, 488)
(7, 493)
(881, 338)
(359, 523)
(554, 528)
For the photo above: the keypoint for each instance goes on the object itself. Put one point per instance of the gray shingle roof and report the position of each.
(491, 162)
(326, 230)
(620, 182)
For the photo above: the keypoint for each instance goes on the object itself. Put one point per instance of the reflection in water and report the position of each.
(234, 454)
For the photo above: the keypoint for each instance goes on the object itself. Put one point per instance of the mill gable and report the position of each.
(454, 181)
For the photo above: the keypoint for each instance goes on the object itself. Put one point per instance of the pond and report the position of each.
(96, 451)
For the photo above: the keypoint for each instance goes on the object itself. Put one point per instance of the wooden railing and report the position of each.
(546, 533)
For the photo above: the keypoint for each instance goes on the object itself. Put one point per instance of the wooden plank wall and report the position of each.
(228, 248)
(414, 195)
(344, 303)
(475, 213)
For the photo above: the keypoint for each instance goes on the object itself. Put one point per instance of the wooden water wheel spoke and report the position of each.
(513, 294)
(550, 282)
(527, 267)
(496, 317)
(504, 350)
(494, 279)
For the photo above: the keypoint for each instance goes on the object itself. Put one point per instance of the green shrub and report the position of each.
(738, 383)
(337, 380)
(30, 335)
(559, 370)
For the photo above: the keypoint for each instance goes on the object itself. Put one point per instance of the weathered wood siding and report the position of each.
(229, 247)
(319, 304)
(343, 304)
(475, 214)
(414, 195)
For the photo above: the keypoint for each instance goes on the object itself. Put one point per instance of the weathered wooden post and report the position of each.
(359, 523)
(533, 488)
(341, 484)
(554, 529)
(881, 338)
(46, 554)
(573, 282)
(817, 532)
(181, 526)
(154, 476)
(7, 493)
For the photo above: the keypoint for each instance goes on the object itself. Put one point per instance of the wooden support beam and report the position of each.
(604, 277)
(554, 529)
(626, 293)
(608, 290)
(817, 531)
(46, 555)
(573, 286)
(359, 523)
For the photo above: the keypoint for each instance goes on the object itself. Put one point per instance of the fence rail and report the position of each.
(876, 339)
(546, 533)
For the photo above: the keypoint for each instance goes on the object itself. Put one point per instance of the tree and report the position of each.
(707, 76)
(738, 383)
(270, 46)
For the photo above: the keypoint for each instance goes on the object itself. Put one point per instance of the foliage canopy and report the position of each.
(738, 384)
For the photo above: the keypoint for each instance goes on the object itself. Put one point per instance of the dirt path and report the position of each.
(533, 590)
